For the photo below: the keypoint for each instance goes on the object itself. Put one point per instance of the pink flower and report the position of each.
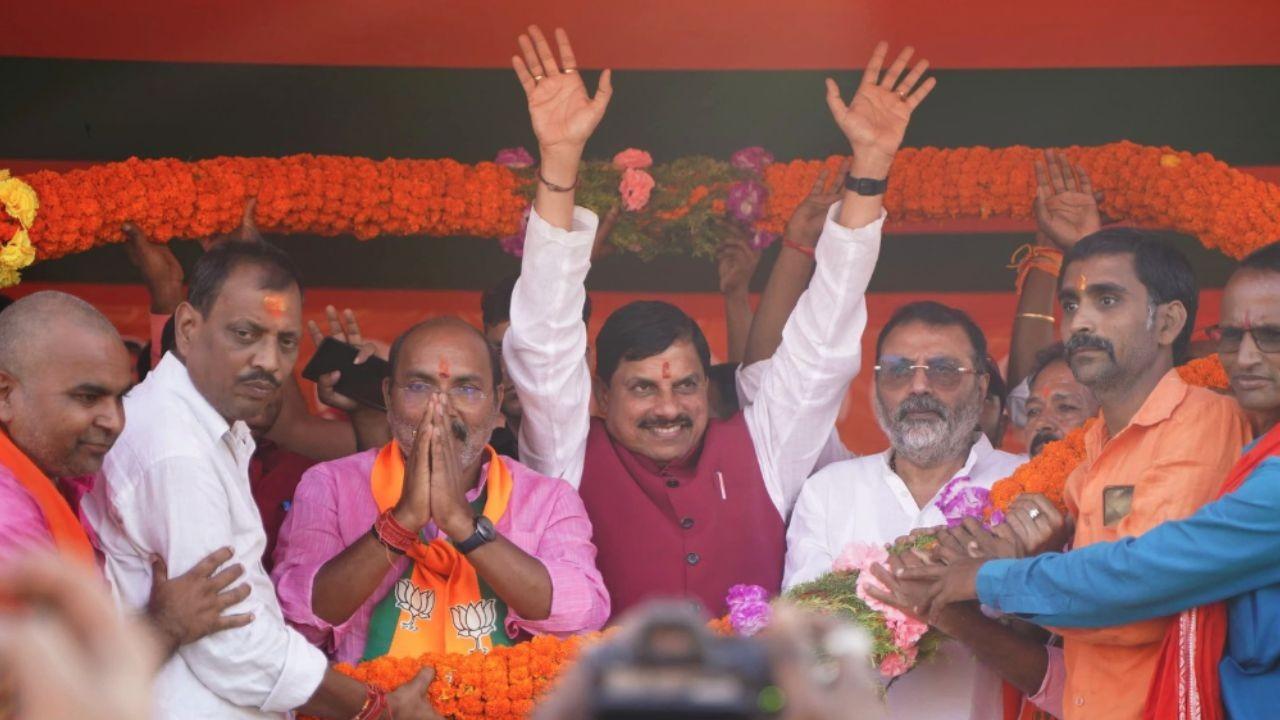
(754, 158)
(746, 201)
(635, 188)
(908, 632)
(860, 556)
(516, 157)
(895, 664)
(632, 159)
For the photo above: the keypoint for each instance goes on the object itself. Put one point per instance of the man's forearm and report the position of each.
(520, 579)
(1022, 661)
(1033, 325)
(737, 318)
(338, 697)
(344, 583)
(787, 282)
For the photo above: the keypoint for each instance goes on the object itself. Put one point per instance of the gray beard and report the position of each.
(929, 443)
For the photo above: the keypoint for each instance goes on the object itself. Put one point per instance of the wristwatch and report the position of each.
(866, 186)
(485, 533)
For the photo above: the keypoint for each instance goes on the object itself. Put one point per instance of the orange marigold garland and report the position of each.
(329, 195)
(1205, 372)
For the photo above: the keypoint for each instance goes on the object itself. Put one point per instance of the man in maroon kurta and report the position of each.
(683, 506)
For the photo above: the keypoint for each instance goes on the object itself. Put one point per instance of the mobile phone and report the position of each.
(362, 383)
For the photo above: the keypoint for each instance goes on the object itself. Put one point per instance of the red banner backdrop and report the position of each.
(384, 313)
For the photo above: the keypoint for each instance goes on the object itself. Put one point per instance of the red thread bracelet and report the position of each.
(799, 248)
(393, 534)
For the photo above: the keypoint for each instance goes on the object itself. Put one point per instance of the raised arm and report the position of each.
(822, 342)
(546, 346)
(735, 264)
(1066, 210)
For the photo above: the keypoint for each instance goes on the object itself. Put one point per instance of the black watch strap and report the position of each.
(485, 533)
(866, 186)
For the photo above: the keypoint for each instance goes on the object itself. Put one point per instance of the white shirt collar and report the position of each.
(980, 449)
(170, 375)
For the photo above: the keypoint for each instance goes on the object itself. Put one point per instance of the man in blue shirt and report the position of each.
(1229, 550)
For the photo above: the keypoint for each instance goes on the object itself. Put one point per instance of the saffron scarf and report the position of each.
(68, 534)
(441, 604)
(1186, 685)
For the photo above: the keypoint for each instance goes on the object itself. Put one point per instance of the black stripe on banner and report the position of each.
(107, 110)
(908, 263)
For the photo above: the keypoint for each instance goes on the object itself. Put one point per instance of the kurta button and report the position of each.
(673, 483)
(686, 523)
(692, 558)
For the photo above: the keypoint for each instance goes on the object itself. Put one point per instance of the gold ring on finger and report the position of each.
(570, 70)
(537, 78)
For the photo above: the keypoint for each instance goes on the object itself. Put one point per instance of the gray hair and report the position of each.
(31, 316)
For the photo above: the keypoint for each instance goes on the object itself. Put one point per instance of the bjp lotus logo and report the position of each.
(476, 620)
(417, 603)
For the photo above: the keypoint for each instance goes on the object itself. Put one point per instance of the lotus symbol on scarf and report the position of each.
(418, 603)
(476, 621)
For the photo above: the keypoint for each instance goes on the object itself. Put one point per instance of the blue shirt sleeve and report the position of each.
(1227, 548)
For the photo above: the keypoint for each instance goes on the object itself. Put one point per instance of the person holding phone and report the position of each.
(434, 542)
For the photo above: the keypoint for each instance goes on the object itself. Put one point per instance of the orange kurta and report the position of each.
(1174, 454)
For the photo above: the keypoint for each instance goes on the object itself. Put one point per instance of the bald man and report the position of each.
(63, 374)
(483, 551)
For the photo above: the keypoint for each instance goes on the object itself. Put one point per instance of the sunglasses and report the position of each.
(895, 373)
(1229, 338)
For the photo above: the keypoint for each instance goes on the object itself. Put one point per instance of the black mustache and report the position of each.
(1089, 342)
(922, 403)
(681, 420)
(459, 430)
(1042, 438)
(259, 376)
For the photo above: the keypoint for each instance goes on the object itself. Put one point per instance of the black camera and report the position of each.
(676, 668)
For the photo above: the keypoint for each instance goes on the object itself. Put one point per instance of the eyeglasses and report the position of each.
(460, 395)
(942, 373)
(1266, 337)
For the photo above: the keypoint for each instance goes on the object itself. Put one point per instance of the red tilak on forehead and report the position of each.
(1082, 283)
(666, 370)
(273, 304)
(443, 369)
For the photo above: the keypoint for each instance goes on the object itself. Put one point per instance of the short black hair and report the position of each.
(1266, 258)
(1162, 270)
(642, 329)
(1047, 356)
(495, 303)
(996, 386)
(936, 314)
(5, 301)
(393, 356)
(724, 376)
(214, 267)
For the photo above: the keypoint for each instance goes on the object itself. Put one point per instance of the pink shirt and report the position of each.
(22, 525)
(333, 507)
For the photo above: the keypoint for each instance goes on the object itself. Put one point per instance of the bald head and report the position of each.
(63, 374)
(448, 329)
(31, 325)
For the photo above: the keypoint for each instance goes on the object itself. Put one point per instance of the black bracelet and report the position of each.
(373, 530)
(554, 187)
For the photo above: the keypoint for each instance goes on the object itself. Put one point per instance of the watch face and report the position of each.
(485, 529)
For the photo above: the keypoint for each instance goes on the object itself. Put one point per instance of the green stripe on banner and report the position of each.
(108, 110)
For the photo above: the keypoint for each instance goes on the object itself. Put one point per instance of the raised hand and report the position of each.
(1066, 206)
(805, 225)
(247, 232)
(346, 329)
(413, 510)
(161, 271)
(875, 121)
(735, 264)
(563, 115)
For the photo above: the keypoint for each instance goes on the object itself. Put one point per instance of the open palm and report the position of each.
(1065, 206)
(562, 114)
(875, 121)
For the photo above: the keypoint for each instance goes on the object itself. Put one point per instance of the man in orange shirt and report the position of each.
(1159, 449)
